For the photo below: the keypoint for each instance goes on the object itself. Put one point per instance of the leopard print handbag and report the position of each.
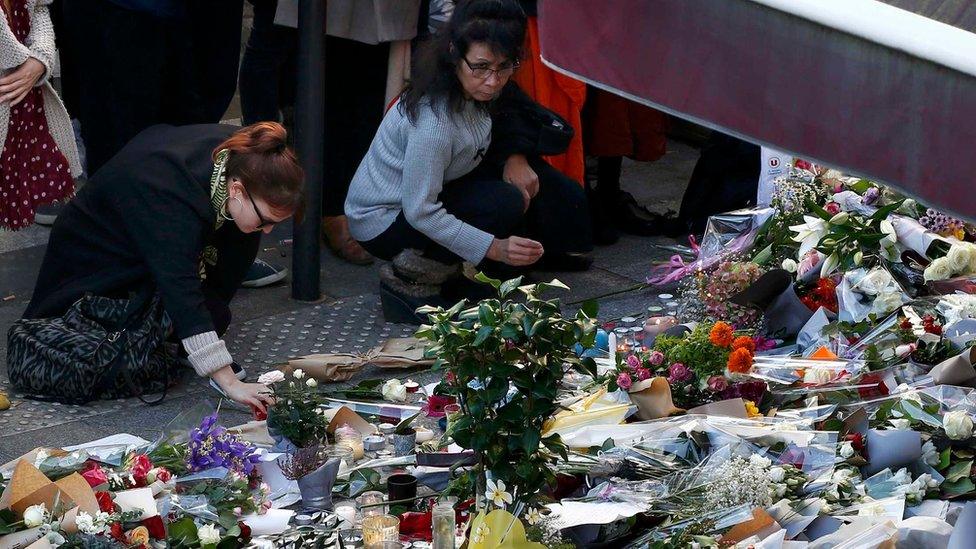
(101, 348)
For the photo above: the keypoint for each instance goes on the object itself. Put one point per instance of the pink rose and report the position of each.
(633, 362)
(832, 208)
(678, 372)
(717, 384)
(624, 381)
(803, 165)
(643, 373)
(656, 358)
(809, 261)
(95, 475)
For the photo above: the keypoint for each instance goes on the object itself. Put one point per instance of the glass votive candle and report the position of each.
(452, 413)
(443, 526)
(379, 529)
(656, 325)
(348, 512)
(349, 436)
(370, 504)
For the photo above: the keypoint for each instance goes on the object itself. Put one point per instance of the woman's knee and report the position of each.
(509, 207)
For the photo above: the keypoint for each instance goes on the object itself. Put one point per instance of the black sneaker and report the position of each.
(401, 299)
(262, 273)
(48, 213)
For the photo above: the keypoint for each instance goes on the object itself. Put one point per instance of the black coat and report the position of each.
(145, 218)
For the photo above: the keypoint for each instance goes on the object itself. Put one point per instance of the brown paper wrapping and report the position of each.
(344, 415)
(402, 353)
(28, 486)
(761, 525)
(653, 399)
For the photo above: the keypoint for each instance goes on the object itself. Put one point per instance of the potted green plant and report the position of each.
(405, 437)
(505, 358)
(295, 420)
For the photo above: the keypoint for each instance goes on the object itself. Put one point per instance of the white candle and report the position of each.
(347, 513)
(612, 347)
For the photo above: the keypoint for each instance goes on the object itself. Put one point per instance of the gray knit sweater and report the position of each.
(405, 169)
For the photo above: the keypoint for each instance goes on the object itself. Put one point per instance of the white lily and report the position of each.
(890, 235)
(496, 494)
(809, 233)
(829, 265)
(533, 516)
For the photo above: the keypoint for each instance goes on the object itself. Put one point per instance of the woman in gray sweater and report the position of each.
(410, 201)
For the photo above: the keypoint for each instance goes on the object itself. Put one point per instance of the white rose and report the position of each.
(958, 257)
(789, 265)
(777, 474)
(846, 450)
(394, 391)
(208, 535)
(35, 515)
(756, 459)
(311, 382)
(780, 490)
(886, 302)
(958, 425)
(971, 268)
(298, 374)
(939, 269)
(274, 376)
(874, 282)
(901, 424)
(817, 376)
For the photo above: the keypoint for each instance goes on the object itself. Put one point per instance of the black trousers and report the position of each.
(355, 90)
(558, 215)
(133, 69)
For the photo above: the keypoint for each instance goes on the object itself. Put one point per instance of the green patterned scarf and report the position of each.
(218, 201)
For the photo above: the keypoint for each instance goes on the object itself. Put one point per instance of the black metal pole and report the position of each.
(310, 137)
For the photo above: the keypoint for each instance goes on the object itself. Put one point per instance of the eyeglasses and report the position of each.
(483, 72)
(264, 222)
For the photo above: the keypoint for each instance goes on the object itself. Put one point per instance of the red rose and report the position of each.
(416, 526)
(157, 530)
(105, 502)
(259, 415)
(141, 465)
(94, 475)
(117, 532)
(245, 537)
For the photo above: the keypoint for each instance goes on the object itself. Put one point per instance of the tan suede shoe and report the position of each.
(335, 232)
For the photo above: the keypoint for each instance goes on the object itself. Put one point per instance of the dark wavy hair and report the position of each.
(498, 23)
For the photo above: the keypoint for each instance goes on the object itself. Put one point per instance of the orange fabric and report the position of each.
(615, 126)
(558, 93)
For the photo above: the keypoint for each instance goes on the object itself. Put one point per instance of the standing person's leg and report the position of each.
(211, 58)
(119, 84)
(265, 64)
(355, 90)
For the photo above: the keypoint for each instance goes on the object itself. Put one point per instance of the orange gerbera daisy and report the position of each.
(744, 342)
(721, 335)
(740, 360)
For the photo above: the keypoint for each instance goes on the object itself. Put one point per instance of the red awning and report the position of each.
(855, 84)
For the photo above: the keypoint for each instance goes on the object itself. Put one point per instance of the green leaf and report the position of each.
(486, 315)
(943, 459)
(405, 424)
(530, 441)
(485, 279)
(958, 488)
(483, 334)
(763, 256)
(183, 530)
(959, 470)
(861, 186)
(509, 286)
(591, 308)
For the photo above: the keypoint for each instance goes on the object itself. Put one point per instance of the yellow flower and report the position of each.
(138, 535)
(752, 410)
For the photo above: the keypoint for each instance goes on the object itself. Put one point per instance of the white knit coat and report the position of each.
(39, 45)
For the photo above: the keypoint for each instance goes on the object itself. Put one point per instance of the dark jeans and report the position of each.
(133, 69)
(557, 216)
(355, 88)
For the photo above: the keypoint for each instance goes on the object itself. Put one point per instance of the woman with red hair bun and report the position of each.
(179, 210)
